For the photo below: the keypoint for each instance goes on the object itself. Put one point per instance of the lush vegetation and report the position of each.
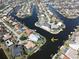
(23, 38)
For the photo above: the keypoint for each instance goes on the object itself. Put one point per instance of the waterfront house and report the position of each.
(29, 45)
(16, 50)
(71, 54)
(33, 37)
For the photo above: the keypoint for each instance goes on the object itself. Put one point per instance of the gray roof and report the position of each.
(16, 50)
(72, 54)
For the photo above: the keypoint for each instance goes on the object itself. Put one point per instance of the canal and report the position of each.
(50, 47)
(2, 54)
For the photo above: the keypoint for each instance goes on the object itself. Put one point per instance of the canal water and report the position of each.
(2, 54)
(50, 47)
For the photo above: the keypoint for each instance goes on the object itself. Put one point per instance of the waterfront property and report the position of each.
(6, 39)
(54, 26)
(50, 47)
(14, 26)
(67, 8)
(48, 21)
(24, 10)
(16, 50)
(70, 50)
(30, 40)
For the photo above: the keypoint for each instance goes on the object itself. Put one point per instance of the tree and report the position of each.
(23, 38)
